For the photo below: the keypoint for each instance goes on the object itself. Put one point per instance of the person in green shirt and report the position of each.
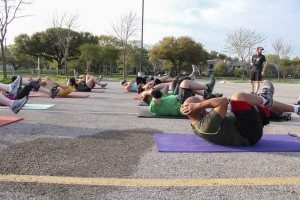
(165, 103)
(245, 127)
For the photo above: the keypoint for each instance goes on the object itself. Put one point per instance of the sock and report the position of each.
(296, 108)
(265, 101)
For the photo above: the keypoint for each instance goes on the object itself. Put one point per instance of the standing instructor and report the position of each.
(258, 63)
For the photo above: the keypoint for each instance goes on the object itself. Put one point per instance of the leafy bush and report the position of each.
(238, 72)
(221, 69)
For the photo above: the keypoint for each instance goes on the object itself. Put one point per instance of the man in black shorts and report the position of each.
(245, 127)
(258, 66)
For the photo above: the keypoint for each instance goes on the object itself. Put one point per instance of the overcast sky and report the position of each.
(205, 21)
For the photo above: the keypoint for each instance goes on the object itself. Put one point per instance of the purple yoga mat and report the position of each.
(193, 143)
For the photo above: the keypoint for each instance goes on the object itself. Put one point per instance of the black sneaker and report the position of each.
(267, 93)
(211, 83)
(210, 95)
(103, 85)
(54, 92)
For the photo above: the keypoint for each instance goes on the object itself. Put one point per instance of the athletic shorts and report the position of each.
(183, 94)
(250, 120)
(83, 87)
(255, 75)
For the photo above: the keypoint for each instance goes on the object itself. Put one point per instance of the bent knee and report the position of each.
(239, 96)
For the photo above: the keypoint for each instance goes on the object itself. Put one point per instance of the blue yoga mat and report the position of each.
(193, 143)
(29, 106)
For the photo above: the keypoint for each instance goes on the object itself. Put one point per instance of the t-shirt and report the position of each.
(169, 106)
(218, 130)
(65, 91)
(258, 61)
(133, 87)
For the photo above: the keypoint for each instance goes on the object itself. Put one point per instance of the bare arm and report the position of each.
(219, 105)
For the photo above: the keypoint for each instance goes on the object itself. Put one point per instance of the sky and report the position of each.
(207, 22)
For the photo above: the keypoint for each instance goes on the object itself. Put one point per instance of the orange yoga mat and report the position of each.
(8, 119)
(72, 95)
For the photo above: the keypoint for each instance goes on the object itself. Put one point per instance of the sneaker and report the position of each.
(103, 85)
(18, 104)
(36, 84)
(16, 86)
(54, 92)
(211, 83)
(267, 93)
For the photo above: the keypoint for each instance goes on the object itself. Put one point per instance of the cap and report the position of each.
(260, 48)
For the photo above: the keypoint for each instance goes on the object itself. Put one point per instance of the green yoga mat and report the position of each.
(29, 106)
(148, 114)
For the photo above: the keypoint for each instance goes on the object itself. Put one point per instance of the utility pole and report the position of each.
(142, 38)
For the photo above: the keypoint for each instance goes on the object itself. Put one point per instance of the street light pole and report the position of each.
(142, 36)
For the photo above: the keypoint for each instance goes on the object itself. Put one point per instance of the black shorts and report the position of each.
(184, 93)
(255, 75)
(249, 120)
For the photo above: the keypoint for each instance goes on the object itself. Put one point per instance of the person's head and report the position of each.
(259, 50)
(147, 98)
(140, 88)
(156, 93)
(72, 81)
(199, 114)
(122, 82)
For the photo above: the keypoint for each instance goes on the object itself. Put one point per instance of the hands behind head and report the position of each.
(188, 108)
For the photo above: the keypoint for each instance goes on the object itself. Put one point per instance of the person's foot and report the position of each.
(36, 84)
(210, 95)
(54, 92)
(267, 93)
(211, 83)
(99, 78)
(17, 105)
(16, 85)
(103, 85)
(195, 71)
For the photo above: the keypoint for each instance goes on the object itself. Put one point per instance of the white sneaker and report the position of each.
(14, 86)
(17, 105)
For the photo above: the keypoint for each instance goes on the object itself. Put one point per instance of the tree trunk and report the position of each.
(110, 68)
(124, 65)
(3, 59)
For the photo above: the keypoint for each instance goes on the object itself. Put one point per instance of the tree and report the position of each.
(181, 52)
(124, 30)
(221, 69)
(242, 41)
(90, 53)
(64, 38)
(282, 49)
(9, 10)
(43, 44)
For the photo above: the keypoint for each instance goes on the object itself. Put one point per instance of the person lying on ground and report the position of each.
(28, 85)
(165, 103)
(59, 89)
(15, 105)
(88, 82)
(245, 127)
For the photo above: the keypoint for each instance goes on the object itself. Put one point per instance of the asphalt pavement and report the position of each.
(100, 137)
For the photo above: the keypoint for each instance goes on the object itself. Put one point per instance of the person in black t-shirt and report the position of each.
(258, 63)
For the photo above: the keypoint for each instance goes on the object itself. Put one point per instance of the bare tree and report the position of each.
(124, 29)
(9, 10)
(282, 49)
(242, 41)
(64, 26)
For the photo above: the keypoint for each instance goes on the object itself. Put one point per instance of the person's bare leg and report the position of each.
(251, 99)
(252, 86)
(282, 107)
(197, 88)
(165, 89)
(257, 86)
(5, 101)
(4, 87)
(44, 90)
(92, 81)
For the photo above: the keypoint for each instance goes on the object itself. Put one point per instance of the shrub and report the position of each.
(238, 72)
(221, 69)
